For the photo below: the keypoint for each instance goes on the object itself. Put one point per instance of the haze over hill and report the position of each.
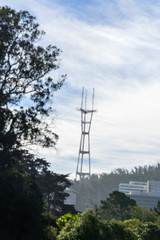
(91, 191)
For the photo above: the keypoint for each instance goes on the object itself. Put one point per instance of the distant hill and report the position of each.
(92, 191)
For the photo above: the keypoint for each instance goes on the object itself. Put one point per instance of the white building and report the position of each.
(133, 187)
(146, 194)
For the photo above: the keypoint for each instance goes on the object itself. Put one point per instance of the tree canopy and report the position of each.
(21, 206)
(53, 188)
(116, 206)
(26, 85)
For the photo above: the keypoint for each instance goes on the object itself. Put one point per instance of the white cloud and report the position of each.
(122, 62)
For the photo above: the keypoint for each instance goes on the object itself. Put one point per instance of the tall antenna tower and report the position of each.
(84, 161)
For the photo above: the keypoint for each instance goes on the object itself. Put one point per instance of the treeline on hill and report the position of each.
(91, 191)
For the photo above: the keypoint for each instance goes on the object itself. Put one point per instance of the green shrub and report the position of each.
(149, 231)
(89, 227)
(49, 225)
(61, 221)
(85, 227)
(142, 231)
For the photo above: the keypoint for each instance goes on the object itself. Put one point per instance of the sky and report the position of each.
(112, 46)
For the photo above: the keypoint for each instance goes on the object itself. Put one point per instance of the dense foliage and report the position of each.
(26, 92)
(89, 226)
(26, 88)
(21, 206)
(116, 206)
(53, 187)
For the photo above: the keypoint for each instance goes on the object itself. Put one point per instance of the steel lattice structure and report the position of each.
(84, 160)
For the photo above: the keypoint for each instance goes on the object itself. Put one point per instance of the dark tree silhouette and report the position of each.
(26, 92)
(53, 188)
(116, 206)
(21, 206)
(26, 88)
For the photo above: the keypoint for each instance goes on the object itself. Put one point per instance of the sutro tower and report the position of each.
(84, 161)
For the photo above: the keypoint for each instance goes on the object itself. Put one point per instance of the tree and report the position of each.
(116, 206)
(157, 209)
(85, 227)
(31, 164)
(26, 91)
(88, 226)
(144, 231)
(53, 188)
(143, 214)
(26, 88)
(21, 206)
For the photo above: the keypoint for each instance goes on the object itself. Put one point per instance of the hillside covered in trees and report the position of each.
(91, 191)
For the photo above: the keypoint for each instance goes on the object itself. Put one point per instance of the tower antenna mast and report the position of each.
(84, 161)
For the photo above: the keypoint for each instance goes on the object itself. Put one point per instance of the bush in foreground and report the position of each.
(88, 226)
